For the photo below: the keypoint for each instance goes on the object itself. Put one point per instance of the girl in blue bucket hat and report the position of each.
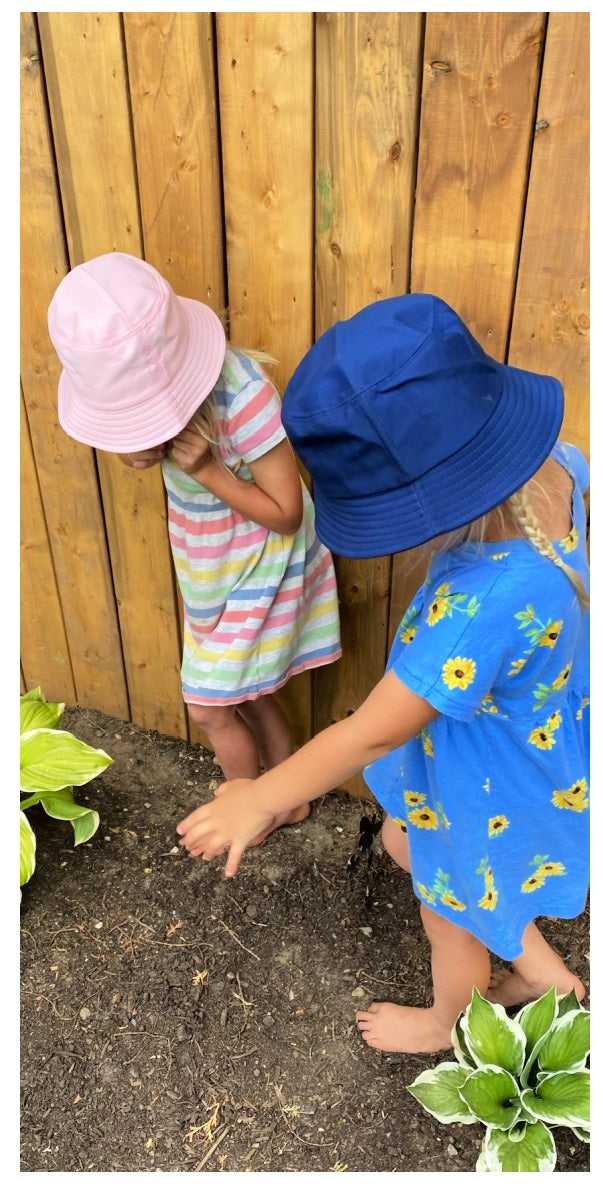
(475, 741)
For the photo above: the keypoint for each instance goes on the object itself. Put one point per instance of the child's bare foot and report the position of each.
(388, 1027)
(508, 988)
(288, 817)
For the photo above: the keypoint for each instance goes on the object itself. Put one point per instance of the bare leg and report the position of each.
(234, 743)
(458, 963)
(535, 970)
(272, 734)
(231, 739)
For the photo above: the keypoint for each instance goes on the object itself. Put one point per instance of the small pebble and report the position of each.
(451, 1150)
(358, 991)
(84, 1013)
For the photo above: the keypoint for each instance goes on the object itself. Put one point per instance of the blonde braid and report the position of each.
(525, 519)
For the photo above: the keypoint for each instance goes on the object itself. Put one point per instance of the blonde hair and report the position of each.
(521, 512)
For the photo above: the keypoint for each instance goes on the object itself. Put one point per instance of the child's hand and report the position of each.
(190, 451)
(144, 459)
(230, 822)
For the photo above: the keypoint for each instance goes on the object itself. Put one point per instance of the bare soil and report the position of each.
(173, 1021)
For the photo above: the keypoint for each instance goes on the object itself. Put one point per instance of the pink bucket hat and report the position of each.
(137, 359)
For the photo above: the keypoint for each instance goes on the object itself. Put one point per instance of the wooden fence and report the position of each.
(292, 167)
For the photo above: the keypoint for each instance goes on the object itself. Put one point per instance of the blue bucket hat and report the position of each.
(408, 429)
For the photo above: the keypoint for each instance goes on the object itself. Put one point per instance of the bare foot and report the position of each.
(288, 817)
(507, 988)
(388, 1027)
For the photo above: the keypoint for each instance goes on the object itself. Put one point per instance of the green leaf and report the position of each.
(37, 713)
(35, 693)
(537, 1017)
(583, 1135)
(525, 1148)
(52, 759)
(536, 1020)
(438, 1092)
(27, 850)
(567, 1044)
(562, 1099)
(85, 826)
(492, 1094)
(491, 1036)
(567, 1003)
(459, 1044)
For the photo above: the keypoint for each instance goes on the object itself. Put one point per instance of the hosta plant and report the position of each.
(52, 762)
(521, 1077)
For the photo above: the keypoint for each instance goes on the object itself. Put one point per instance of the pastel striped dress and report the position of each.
(259, 606)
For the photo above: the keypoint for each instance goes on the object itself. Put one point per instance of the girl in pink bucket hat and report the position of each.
(148, 375)
(475, 742)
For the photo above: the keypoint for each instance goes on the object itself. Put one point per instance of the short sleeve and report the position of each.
(575, 462)
(254, 424)
(454, 655)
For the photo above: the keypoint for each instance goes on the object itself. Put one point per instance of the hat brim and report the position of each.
(506, 452)
(162, 417)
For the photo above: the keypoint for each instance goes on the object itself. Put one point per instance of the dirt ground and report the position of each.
(173, 1021)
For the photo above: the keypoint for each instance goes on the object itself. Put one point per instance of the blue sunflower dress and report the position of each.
(494, 794)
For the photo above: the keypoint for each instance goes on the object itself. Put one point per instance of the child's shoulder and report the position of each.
(239, 369)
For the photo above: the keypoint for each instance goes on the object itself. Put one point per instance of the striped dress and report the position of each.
(259, 606)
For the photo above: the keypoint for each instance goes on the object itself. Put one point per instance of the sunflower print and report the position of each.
(572, 799)
(517, 666)
(423, 817)
(497, 824)
(544, 869)
(542, 736)
(400, 823)
(490, 895)
(414, 798)
(408, 625)
(543, 691)
(489, 900)
(425, 738)
(580, 712)
(426, 894)
(441, 887)
(570, 542)
(502, 554)
(459, 672)
(445, 602)
(488, 705)
(540, 633)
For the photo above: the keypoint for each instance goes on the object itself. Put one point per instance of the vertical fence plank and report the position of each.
(481, 73)
(44, 649)
(366, 122)
(173, 95)
(65, 470)
(265, 72)
(91, 122)
(550, 320)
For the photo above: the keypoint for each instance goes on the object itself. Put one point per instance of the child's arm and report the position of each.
(143, 459)
(273, 499)
(389, 717)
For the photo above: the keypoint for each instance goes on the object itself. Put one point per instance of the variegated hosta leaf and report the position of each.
(492, 1094)
(536, 1020)
(568, 1002)
(438, 1092)
(459, 1044)
(524, 1148)
(567, 1044)
(491, 1036)
(537, 1017)
(52, 759)
(35, 712)
(62, 806)
(562, 1099)
(27, 850)
(581, 1133)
